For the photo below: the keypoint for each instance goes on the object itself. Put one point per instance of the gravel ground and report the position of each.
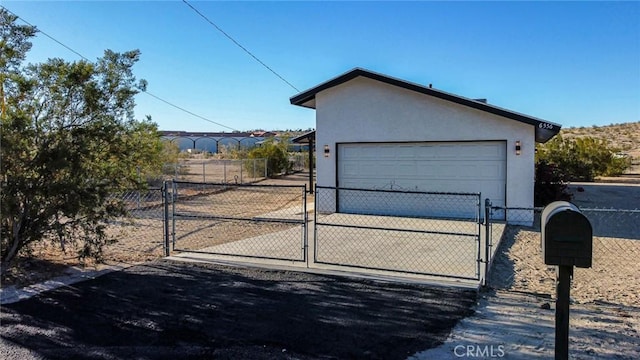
(167, 310)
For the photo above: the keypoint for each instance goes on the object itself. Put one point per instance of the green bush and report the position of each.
(582, 159)
(276, 154)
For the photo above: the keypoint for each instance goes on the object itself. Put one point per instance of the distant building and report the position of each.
(264, 134)
(211, 141)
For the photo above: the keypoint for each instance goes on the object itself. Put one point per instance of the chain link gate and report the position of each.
(407, 232)
(393, 231)
(233, 221)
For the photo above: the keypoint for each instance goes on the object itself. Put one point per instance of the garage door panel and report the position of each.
(490, 170)
(349, 169)
(404, 168)
(433, 167)
(405, 152)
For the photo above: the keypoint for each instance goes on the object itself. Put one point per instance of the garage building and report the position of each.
(378, 132)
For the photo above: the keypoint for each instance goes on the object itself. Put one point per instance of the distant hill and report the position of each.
(625, 136)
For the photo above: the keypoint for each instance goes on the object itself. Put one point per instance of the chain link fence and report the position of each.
(298, 161)
(614, 276)
(253, 221)
(238, 171)
(423, 233)
(140, 233)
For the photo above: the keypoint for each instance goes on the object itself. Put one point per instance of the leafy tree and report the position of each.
(69, 141)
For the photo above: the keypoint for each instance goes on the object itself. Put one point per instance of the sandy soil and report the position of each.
(515, 315)
(517, 325)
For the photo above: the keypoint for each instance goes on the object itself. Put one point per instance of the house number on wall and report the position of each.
(544, 125)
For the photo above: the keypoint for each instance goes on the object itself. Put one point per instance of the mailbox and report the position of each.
(567, 236)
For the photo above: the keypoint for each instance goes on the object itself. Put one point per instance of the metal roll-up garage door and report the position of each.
(452, 167)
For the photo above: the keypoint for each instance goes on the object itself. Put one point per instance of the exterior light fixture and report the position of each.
(326, 151)
(518, 148)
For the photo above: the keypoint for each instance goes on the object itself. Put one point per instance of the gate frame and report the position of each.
(478, 220)
(172, 197)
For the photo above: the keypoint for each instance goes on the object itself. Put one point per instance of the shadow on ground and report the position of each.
(166, 310)
(22, 273)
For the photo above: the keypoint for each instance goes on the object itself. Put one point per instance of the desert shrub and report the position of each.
(232, 152)
(582, 159)
(276, 154)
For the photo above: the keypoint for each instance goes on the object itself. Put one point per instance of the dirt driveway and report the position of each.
(176, 310)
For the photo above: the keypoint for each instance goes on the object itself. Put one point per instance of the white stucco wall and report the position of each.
(365, 110)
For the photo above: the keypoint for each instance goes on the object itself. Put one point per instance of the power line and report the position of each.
(144, 91)
(47, 35)
(189, 112)
(239, 45)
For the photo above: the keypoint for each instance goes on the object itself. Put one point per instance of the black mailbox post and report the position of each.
(567, 241)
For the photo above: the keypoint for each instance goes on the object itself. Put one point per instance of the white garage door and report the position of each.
(454, 167)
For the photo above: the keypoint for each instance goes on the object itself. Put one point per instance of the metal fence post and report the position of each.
(487, 239)
(305, 227)
(174, 198)
(139, 182)
(478, 198)
(165, 191)
(224, 171)
(315, 225)
(265, 168)
(204, 178)
(241, 166)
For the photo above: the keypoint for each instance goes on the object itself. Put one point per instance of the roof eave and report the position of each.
(544, 130)
(305, 138)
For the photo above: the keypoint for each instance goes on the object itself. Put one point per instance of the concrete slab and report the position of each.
(406, 248)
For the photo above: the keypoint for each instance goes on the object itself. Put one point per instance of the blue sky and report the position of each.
(573, 63)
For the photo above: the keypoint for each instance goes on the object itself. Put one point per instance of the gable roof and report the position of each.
(545, 130)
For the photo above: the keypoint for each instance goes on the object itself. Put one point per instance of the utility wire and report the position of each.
(189, 112)
(47, 35)
(239, 45)
(144, 91)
